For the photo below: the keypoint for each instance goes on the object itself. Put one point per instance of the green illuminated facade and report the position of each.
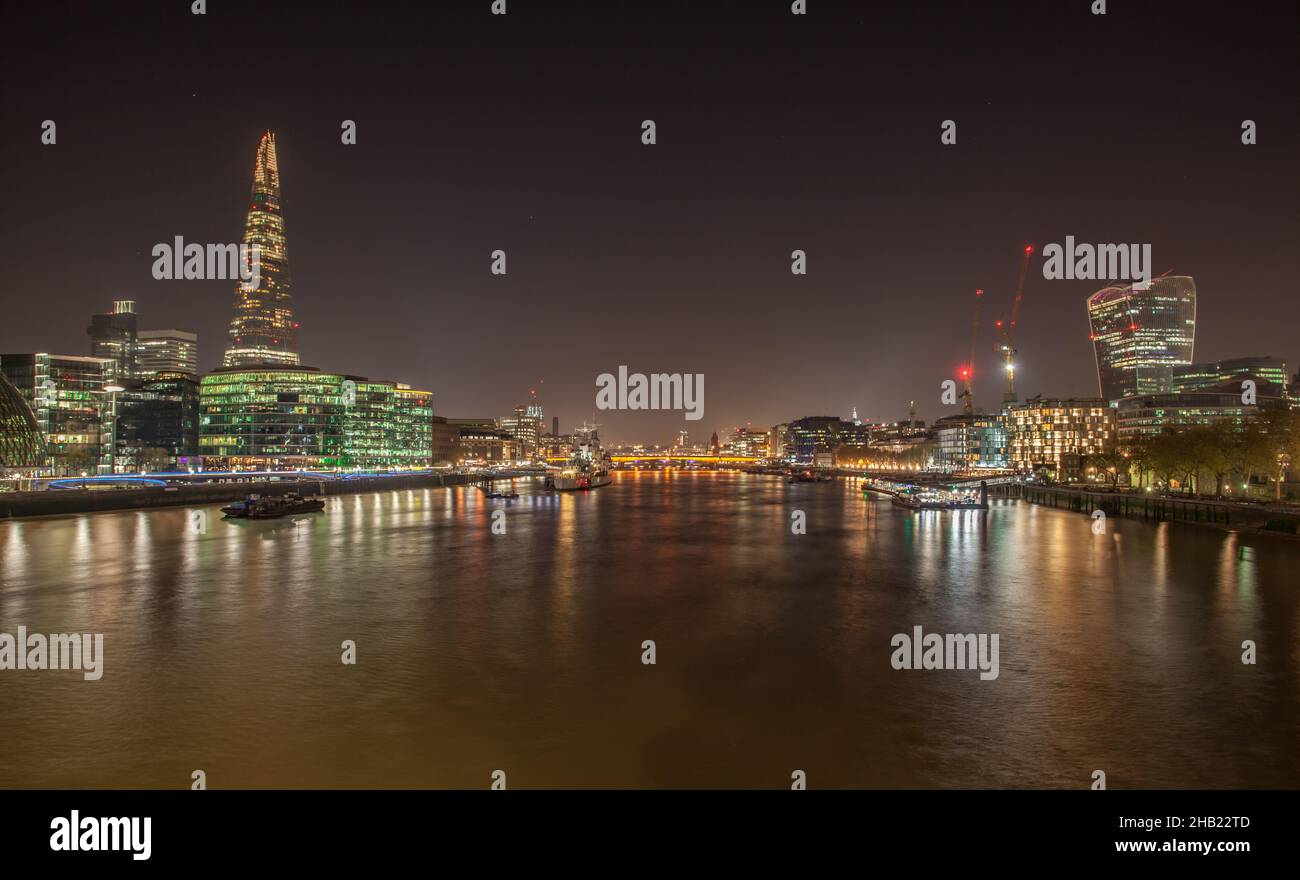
(412, 427)
(271, 417)
(1268, 372)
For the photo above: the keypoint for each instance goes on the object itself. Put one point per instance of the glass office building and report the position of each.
(1143, 416)
(67, 398)
(115, 335)
(1140, 334)
(158, 424)
(1269, 374)
(971, 442)
(413, 428)
(269, 417)
(807, 437)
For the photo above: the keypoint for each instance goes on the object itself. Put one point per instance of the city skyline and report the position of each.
(900, 398)
(388, 263)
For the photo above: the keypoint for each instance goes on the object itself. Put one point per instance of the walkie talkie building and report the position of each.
(1140, 333)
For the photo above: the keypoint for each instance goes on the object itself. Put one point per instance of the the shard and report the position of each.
(264, 330)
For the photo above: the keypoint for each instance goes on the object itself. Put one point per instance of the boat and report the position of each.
(503, 494)
(810, 477)
(587, 469)
(289, 504)
(919, 501)
(935, 499)
(576, 477)
(239, 509)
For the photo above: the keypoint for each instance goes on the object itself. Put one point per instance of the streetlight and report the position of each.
(112, 449)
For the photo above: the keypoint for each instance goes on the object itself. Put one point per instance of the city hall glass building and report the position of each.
(22, 449)
(1141, 334)
(271, 417)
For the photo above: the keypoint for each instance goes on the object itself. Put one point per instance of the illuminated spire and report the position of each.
(263, 329)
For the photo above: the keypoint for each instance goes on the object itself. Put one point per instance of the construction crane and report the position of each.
(968, 371)
(1007, 348)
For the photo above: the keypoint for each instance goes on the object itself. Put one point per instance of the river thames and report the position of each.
(522, 651)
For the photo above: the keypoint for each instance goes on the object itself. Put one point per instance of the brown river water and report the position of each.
(522, 651)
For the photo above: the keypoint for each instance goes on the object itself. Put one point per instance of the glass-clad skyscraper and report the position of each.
(263, 330)
(115, 335)
(1140, 333)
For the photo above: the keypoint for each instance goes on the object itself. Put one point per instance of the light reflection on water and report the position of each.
(521, 651)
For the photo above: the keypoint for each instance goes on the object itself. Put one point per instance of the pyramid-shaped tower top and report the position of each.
(266, 170)
(263, 329)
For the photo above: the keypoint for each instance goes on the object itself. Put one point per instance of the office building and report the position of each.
(412, 428)
(67, 397)
(444, 442)
(1143, 416)
(971, 441)
(481, 443)
(1141, 333)
(747, 442)
(806, 438)
(166, 351)
(114, 336)
(777, 440)
(1268, 373)
(301, 417)
(158, 424)
(524, 428)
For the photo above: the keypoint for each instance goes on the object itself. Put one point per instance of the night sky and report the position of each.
(775, 132)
